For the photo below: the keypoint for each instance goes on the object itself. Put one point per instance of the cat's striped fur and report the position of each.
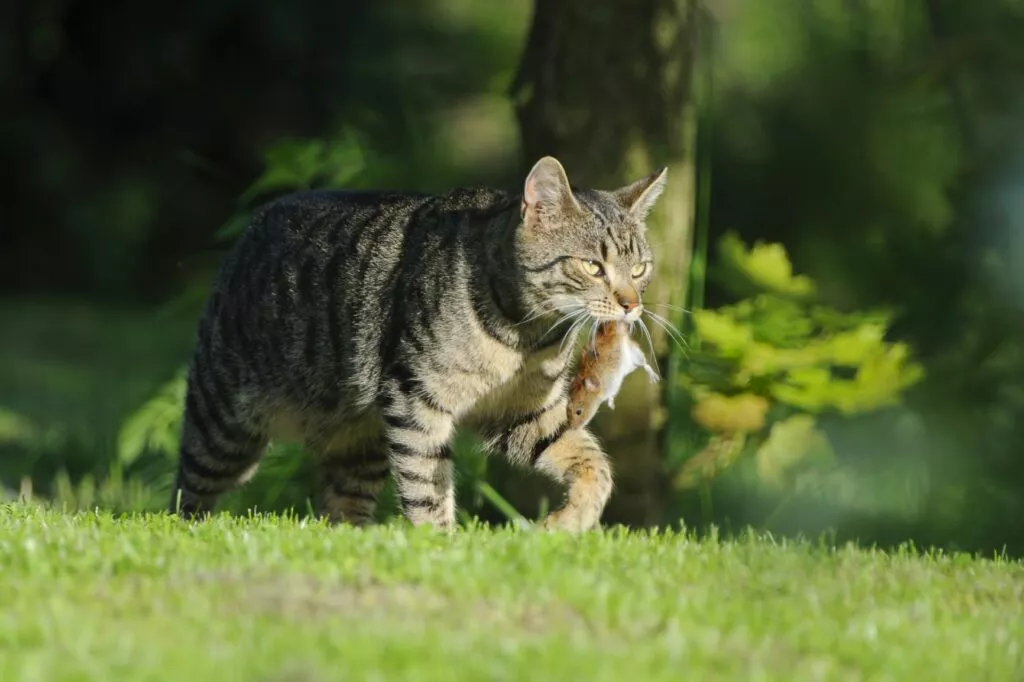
(367, 325)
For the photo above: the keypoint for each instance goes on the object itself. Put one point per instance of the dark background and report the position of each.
(880, 143)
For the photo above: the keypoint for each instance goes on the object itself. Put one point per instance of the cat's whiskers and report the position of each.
(572, 315)
(669, 306)
(650, 343)
(534, 313)
(670, 329)
(673, 333)
(576, 326)
(559, 303)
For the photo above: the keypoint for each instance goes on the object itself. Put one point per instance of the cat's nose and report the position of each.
(628, 304)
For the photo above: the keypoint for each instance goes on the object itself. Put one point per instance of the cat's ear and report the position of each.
(639, 197)
(547, 197)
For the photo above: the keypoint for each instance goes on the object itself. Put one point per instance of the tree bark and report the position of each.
(606, 88)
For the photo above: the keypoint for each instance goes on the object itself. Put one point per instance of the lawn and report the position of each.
(91, 597)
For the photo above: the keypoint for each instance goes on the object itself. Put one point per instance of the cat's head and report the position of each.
(585, 251)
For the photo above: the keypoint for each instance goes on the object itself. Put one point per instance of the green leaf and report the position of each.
(853, 347)
(292, 164)
(234, 226)
(765, 266)
(729, 336)
(155, 425)
(730, 414)
(780, 321)
(762, 359)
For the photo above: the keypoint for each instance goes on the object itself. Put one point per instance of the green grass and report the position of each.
(91, 597)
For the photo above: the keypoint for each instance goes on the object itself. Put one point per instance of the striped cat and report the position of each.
(368, 325)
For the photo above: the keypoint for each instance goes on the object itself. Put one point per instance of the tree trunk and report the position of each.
(606, 88)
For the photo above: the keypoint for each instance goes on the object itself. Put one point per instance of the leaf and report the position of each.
(766, 266)
(802, 398)
(730, 337)
(854, 346)
(791, 442)
(234, 226)
(345, 159)
(882, 378)
(763, 359)
(780, 321)
(292, 164)
(730, 414)
(155, 425)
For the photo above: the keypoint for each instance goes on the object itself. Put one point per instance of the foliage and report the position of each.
(155, 426)
(292, 164)
(764, 267)
(305, 164)
(879, 141)
(793, 354)
(770, 363)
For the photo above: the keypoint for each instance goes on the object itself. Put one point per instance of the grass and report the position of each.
(93, 597)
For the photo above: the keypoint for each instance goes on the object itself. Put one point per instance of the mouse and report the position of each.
(603, 366)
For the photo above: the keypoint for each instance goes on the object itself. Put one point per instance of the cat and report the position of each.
(368, 325)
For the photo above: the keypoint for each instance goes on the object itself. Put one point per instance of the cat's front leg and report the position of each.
(419, 451)
(576, 460)
(571, 457)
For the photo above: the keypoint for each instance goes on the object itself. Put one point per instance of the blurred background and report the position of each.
(840, 249)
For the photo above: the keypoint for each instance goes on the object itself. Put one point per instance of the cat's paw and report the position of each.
(569, 520)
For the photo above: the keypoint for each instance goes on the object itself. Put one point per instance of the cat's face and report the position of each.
(585, 253)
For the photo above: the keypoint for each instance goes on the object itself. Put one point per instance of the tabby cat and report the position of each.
(368, 325)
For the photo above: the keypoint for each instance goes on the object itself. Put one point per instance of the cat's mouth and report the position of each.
(629, 317)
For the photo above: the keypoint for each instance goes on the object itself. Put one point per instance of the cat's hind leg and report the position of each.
(220, 448)
(353, 469)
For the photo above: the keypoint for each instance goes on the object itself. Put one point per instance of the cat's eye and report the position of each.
(638, 270)
(579, 411)
(593, 268)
